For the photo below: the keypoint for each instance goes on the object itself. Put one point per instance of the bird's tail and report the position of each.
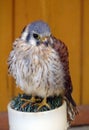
(72, 109)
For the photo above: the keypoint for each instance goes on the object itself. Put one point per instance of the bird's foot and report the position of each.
(43, 103)
(33, 100)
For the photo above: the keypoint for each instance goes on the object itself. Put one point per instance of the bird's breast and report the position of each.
(38, 70)
(43, 72)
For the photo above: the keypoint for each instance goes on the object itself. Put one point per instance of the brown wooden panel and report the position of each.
(27, 11)
(64, 17)
(4, 121)
(68, 21)
(85, 53)
(5, 45)
(65, 20)
(83, 117)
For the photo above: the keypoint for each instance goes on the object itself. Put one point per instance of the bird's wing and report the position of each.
(62, 50)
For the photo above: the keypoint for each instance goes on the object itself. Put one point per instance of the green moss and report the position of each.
(17, 102)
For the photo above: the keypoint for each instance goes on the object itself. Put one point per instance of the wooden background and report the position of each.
(69, 21)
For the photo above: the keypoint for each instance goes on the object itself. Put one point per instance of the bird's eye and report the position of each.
(36, 36)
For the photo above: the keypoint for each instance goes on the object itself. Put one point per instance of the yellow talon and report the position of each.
(43, 103)
(27, 101)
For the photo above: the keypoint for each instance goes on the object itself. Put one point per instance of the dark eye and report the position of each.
(36, 36)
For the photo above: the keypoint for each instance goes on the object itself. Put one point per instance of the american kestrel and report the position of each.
(39, 63)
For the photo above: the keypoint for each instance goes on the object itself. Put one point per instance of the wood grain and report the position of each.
(85, 51)
(5, 46)
(4, 121)
(83, 117)
(68, 21)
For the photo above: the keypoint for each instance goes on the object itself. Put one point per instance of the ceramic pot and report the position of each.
(49, 120)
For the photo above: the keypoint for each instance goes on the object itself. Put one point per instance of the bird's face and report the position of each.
(36, 34)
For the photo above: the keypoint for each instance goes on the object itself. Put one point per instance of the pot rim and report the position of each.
(53, 110)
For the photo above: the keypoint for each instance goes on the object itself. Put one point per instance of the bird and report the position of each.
(39, 62)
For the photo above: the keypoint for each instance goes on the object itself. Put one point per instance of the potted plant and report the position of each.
(28, 118)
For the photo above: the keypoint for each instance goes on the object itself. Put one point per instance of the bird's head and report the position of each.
(37, 33)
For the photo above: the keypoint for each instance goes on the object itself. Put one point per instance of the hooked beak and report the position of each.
(45, 40)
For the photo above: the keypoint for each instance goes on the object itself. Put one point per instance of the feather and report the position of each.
(62, 50)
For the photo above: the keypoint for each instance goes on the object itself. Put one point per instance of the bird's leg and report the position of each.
(43, 103)
(27, 101)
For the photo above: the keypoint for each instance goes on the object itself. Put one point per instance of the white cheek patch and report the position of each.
(32, 42)
(24, 35)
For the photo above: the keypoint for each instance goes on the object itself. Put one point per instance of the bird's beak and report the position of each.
(45, 40)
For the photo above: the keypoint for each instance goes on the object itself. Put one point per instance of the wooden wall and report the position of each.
(68, 20)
